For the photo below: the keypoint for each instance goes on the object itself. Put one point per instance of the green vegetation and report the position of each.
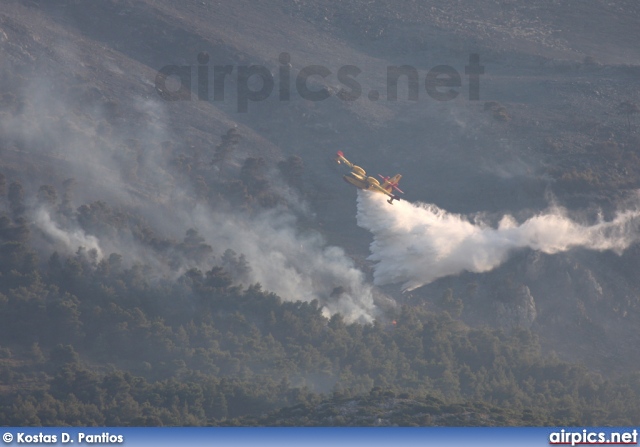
(104, 338)
(498, 111)
(90, 342)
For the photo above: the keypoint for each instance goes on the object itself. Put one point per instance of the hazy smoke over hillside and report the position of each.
(65, 241)
(293, 265)
(124, 166)
(415, 244)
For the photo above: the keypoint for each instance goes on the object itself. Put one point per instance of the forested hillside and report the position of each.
(178, 246)
(92, 342)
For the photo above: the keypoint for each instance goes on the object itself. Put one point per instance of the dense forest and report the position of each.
(174, 263)
(89, 341)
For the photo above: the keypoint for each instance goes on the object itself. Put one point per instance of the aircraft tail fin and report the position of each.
(392, 183)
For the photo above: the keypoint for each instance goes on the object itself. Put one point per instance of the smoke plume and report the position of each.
(67, 241)
(292, 264)
(415, 244)
(126, 166)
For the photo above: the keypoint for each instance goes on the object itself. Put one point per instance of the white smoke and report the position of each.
(123, 163)
(66, 241)
(293, 265)
(415, 244)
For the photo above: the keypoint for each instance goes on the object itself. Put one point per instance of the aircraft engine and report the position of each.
(358, 170)
(373, 181)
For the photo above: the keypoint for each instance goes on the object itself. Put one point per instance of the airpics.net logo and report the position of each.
(590, 437)
(254, 83)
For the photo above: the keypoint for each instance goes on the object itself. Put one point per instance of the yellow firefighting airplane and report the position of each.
(358, 178)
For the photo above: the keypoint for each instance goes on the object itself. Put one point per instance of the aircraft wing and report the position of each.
(340, 158)
(381, 189)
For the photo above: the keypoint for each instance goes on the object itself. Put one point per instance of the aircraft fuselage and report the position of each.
(362, 182)
(359, 178)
